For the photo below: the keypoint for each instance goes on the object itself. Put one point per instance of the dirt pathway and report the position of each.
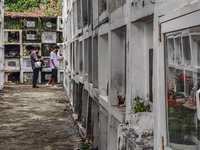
(34, 119)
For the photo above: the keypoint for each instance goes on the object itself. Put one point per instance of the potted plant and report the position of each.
(140, 105)
(141, 120)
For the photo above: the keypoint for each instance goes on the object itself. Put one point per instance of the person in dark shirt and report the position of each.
(34, 58)
(30, 51)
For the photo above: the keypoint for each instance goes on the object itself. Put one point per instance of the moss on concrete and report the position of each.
(12, 23)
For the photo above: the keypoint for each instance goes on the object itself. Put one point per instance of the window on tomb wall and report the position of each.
(114, 4)
(182, 50)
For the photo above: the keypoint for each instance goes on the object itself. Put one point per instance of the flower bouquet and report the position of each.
(140, 105)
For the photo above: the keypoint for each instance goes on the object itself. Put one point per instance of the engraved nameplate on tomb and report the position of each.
(47, 76)
(30, 37)
(28, 64)
(48, 37)
(30, 24)
(11, 63)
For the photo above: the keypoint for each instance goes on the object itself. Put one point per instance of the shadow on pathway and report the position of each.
(34, 119)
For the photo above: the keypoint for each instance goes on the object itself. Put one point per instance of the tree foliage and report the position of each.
(32, 5)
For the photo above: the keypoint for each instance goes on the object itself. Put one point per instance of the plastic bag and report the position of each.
(38, 64)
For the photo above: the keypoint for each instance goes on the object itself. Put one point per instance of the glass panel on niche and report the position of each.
(183, 81)
(186, 50)
(195, 44)
(178, 48)
(170, 50)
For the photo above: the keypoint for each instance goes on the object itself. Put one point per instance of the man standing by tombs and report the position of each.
(34, 58)
(54, 65)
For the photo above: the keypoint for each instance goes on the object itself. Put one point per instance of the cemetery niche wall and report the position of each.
(2, 62)
(21, 35)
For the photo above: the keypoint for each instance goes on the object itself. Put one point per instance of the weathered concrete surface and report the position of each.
(33, 119)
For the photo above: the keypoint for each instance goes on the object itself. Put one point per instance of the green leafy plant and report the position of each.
(59, 12)
(16, 27)
(22, 5)
(71, 80)
(140, 105)
(66, 62)
(34, 5)
(46, 28)
(5, 24)
(86, 145)
(24, 22)
(48, 11)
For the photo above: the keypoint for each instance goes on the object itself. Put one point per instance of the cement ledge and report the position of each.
(103, 100)
(119, 113)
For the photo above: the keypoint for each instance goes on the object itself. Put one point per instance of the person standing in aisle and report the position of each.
(34, 58)
(54, 65)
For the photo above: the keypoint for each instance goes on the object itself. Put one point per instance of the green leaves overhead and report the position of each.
(31, 5)
(22, 5)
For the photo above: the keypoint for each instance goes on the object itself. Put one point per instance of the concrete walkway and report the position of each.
(34, 119)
